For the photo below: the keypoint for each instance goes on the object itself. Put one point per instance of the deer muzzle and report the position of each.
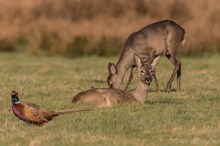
(148, 80)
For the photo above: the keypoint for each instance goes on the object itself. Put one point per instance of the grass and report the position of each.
(190, 117)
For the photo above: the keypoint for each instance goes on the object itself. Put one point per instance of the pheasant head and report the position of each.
(14, 97)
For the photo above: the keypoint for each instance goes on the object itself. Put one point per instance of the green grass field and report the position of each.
(190, 117)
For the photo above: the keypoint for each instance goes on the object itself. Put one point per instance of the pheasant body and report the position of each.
(31, 113)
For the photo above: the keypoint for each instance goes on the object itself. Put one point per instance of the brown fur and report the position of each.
(150, 43)
(106, 97)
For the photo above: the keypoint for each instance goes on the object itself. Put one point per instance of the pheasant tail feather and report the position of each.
(56, 113)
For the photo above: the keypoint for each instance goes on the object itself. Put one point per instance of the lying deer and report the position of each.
(106, 97)
(149, 43)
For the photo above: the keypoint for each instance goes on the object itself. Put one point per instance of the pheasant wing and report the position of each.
(33, 105)
(33, 114)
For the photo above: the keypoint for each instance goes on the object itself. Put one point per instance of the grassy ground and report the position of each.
(190, 117)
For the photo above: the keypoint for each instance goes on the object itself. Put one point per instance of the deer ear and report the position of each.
(112, 68)
(155, 62)
(137, 61)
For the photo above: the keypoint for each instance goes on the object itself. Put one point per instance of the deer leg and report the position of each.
(156, 82)
(133, 70)
(178, 76)
(177, 70)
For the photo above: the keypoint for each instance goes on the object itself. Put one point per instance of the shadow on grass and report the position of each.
(162, 90)
(166, 101)
(95, 81)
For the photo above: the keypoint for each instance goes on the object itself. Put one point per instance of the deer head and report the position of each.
(147, 69)
(114, 80)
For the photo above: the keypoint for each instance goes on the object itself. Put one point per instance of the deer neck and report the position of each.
(140, 93)
(124, 63)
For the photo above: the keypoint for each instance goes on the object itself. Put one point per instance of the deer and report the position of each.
(107, 97)
(158, 39)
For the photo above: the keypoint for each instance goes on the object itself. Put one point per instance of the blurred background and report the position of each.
(100, 27)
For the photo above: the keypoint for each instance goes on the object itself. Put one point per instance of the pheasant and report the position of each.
(31, 113)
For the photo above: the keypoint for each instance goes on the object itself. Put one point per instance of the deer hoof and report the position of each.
(168, 89)
(157, 89)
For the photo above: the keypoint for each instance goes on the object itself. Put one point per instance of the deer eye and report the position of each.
(111, 85)
(151, 71)
(142, 71)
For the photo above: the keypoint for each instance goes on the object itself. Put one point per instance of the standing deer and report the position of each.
(106, 97)
(150, 43)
